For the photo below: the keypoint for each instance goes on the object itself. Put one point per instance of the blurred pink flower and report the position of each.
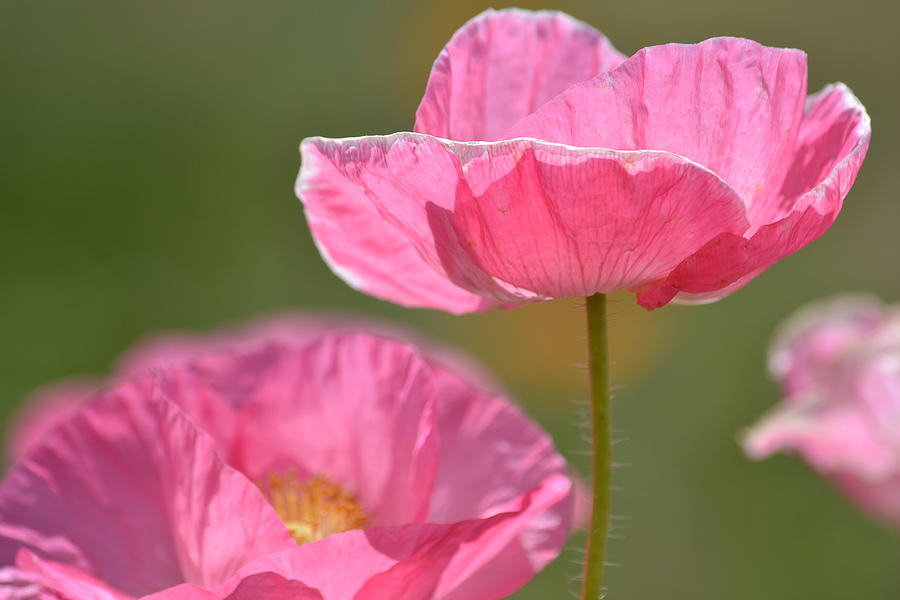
(838, 363)
(545, 164)
(285, 464)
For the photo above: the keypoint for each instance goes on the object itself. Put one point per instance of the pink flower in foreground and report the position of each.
(838, 363)
(338, 467)
(545, 164)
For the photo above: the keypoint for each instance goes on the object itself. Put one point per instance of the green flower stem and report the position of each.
(601, 456)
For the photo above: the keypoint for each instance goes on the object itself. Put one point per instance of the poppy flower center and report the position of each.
(314, 508)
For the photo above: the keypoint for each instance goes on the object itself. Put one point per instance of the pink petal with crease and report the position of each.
(807, 346)
(66, 581)
(132, 493)
(835, 122)
(729, 104)
(603, 222)
(832, 438)
(502, 65)
(261, 586)
(370, 253)
(355, 407)
(271, 586)
(475, 476)
(20, 584)
(185, 591)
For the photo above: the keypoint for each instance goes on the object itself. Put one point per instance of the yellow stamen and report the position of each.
(314, 508)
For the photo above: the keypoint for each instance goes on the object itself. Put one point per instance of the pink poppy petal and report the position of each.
(271, 586)
(502, 65)
(408, 177)
(563, 226)
(185, 591)
(64, 581)
(835, 126)
(520, 220)
(21, 584)
(368, 252)
(260, 586)
(877, 387)
(355, 408)
(476, 475)
(729, 104)
(416, 562)
(484, 583)
(542, 517)
(44, 410)
(220, 520)
(131, 492)
(730, 261)
(833, 438)
(806, 347)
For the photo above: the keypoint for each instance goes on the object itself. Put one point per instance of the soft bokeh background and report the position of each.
(146, 168)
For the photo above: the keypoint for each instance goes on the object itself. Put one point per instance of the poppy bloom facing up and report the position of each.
(545, 164)
(337, 467)
(838, 363)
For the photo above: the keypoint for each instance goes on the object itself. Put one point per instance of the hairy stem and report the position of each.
(601, 455)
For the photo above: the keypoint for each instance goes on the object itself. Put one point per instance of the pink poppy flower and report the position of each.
(333, 467)
(545, 164)
(838, 363)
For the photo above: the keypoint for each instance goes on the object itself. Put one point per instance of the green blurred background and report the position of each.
(146, 170)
